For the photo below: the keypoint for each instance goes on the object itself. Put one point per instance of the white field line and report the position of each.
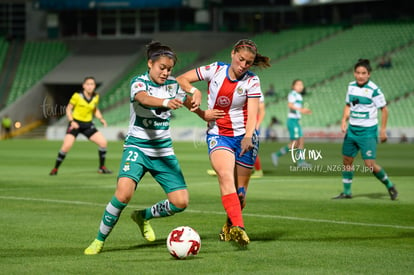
(220, 213)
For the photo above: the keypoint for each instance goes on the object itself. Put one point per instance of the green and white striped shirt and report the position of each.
(364, 102)
(149, 127)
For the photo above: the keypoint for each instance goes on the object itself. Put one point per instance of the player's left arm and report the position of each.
(261, 115)
(99, 116)
(384, 119)
(381, 103)
(206, 115)
(252, 110)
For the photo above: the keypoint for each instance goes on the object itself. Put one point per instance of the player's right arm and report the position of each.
(345, 117)
(69, 110)
(185, 81)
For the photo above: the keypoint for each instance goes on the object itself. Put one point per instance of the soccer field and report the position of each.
(294, 225)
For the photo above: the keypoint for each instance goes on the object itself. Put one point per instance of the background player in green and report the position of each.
(148, 147)
(79, 112)
(363, 99)
(297, 141)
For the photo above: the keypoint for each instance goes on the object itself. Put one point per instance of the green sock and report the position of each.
(163, 208)
(282, 151)
(347, 181)
(110, 218)
(383, 177)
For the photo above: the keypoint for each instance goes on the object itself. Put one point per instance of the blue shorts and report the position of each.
(233, 145)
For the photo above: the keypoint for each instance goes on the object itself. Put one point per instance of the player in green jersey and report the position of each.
(363, 99)
(148, 147)
(297, 140)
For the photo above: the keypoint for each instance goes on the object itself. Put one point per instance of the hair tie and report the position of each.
(246, 45)
(162, 52)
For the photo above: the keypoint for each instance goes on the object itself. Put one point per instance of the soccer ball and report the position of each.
(183, 241)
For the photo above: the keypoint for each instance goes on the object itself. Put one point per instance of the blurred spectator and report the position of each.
(121, 136)
(403, 139)
(271, 91)
(385, 62)
(271, 134)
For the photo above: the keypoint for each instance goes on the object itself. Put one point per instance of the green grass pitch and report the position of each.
(294, 226)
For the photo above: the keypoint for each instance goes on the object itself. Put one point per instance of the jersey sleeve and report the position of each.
(379, 99)
(254, 90)
(181, 94)
(291, 98)
(137, 85)
(74, 99)
(207, 72)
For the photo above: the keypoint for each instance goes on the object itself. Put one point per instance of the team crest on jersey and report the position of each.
(240, 91)
(223, 101)
(138, 85)
(207, 67)
(212, 142)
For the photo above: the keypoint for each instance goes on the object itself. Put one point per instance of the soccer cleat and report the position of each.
(104, 170)
(275, 159)
(224, 234)
(257, 174)
(211, 172)
(393, 192)
(342, 196)
(146, 230)
(94, 248)
(53, 172)
(239, 235)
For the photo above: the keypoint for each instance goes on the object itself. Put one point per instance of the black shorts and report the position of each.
(85, 128)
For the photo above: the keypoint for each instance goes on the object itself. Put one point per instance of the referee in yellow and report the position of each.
(79, 112)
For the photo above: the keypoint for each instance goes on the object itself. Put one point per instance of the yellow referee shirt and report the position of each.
(83, 109)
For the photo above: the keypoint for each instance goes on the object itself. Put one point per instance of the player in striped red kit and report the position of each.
(232, 140)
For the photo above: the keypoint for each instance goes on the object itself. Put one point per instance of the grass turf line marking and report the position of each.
(220, 213)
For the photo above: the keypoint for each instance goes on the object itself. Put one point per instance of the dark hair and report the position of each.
(155, 50)
(89, 77)
(296, 80)
(247, 44)
(363, 63)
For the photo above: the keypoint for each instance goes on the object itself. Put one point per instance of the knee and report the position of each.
(103, 144)
(125, 190)
(180, 205)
